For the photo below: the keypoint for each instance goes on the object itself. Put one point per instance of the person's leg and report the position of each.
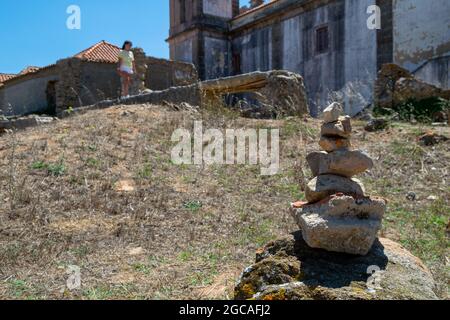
(122, 85)
(123, 81)
(126, 85)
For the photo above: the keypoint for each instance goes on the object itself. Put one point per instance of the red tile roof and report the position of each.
(29, 69)
(4, 77)
(101, 52)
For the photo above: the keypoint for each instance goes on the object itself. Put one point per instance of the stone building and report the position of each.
(84, 79)
(328, 42)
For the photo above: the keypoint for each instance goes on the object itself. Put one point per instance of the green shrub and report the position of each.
(54, 169)
(420, 110)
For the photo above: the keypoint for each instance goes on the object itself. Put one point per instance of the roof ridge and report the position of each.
(93, 47)
(95, 53)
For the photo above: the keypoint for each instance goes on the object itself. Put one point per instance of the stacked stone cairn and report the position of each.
(338, 216)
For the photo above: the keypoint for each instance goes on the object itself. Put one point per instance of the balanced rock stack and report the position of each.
(338, 216)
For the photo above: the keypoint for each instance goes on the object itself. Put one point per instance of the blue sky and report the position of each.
(35, 32)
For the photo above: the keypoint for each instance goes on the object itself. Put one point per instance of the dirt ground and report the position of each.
(99, 191)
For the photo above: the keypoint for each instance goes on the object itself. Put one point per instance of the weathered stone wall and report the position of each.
(283, 36)
(323, 72)
(420, 31)
(21, 123)
(81, 83)
(2, 98)
(183, 48)
(27, 94)
(99, 81)
(219, 8)
(275, 93)
(255, 50)
(217, 57)
(345, 71)
(190, 95)
(176, 95)
(436, 72)
(140, 61)
(69, 84)
(396, 85)
(85, 83)
(163, 74)
(197, 26)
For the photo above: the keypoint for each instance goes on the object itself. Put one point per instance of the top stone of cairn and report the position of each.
(332, 113)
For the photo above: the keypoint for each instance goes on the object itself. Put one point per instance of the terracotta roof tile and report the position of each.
(103, 52)
(29, 69)
(100, 52)
(4, 77)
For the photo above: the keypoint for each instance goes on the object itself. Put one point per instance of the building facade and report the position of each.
(83, 79)
(328, 42)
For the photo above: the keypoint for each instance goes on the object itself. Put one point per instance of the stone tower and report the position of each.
(198, 34)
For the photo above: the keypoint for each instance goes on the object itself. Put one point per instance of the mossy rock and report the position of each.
(287, 269)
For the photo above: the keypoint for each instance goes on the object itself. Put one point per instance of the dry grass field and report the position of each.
(99, 191)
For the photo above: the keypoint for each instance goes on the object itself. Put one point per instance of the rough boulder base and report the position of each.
(288, 269)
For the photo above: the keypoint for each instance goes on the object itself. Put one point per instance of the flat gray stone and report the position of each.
(326, 185)
(344, 206)
(341, 162)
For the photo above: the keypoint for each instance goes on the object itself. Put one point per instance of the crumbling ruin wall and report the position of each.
(99, 81)
(284, 95)
(176, 95)
(69, 84)
(140, 61)
(278, 93)
(84, 83)
(396, 85)
(162, 74)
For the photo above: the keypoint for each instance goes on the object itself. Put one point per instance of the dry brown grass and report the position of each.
(99, 191)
